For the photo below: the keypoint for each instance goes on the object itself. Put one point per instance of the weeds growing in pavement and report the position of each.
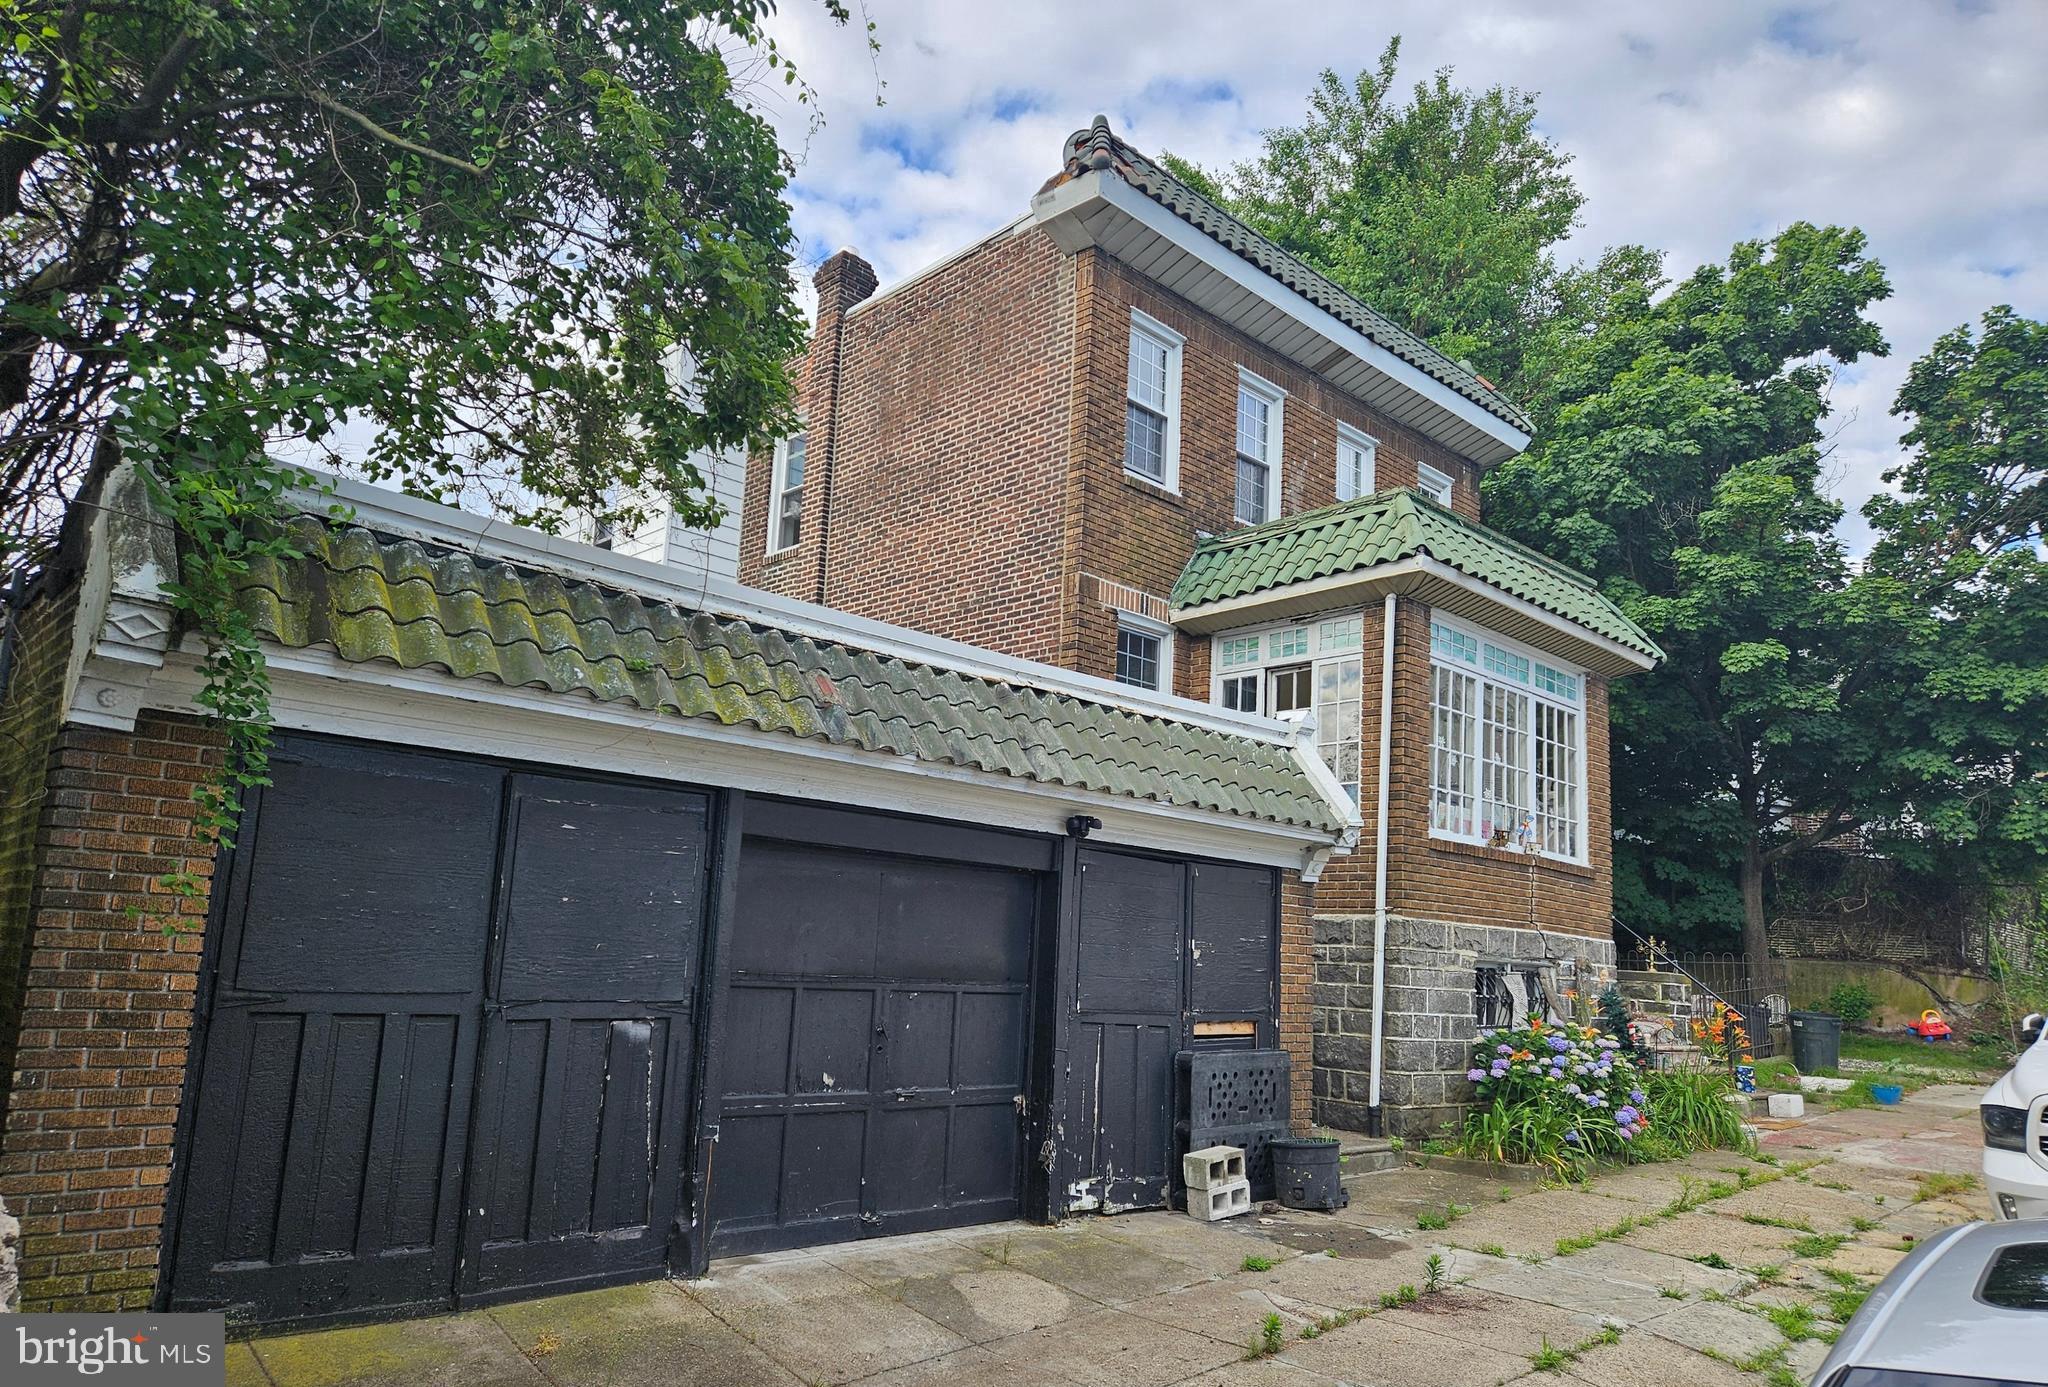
(1271, 1339)
(1256, 1263)
(1939, 1184)
(1815, 1246)
(1716, 1261)
(1433, 1273)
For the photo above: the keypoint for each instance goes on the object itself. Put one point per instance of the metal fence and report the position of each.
(1759, 997)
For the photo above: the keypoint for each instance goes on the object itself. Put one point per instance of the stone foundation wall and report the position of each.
(1431, 986)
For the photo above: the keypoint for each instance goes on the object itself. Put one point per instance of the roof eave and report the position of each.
(1436, 583)
(1099, 208)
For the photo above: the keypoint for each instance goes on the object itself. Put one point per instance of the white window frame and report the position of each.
(1145, 625)
(1275, 400)
(1536, 697)
(1146, 326)
(1332, 638)
(1434, 482)
(779, 487)
(1350, 440)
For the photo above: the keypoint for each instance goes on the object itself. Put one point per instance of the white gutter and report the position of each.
(1379, 871)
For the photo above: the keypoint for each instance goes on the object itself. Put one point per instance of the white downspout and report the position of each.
(1379, 871)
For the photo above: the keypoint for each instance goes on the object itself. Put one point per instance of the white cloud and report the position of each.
(1691, 126)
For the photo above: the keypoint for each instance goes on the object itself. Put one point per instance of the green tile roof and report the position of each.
(1099, 147)
(371, 597)
(1384, 528)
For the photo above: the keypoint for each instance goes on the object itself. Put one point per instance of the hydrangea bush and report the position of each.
(1559, 1095)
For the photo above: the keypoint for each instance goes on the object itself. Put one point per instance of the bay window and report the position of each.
(1506, 746)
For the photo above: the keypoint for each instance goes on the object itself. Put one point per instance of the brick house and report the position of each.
(571, 870)
(1127, 435)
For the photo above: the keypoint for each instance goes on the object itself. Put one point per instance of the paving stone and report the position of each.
(967, 1367)
(1109, 1271)
(446, 1351)
(1229, 1310)
(1533, 1224)
(1347, 1283)
(1700, 1232)
(1262, 1372)
(1732, 1333)
(894, 1259)
(1212, 1248)
(754, 1283)
(1826, 1211)
(1549, 1284)
(988, 1302)
(1511, 1326)
(1643, 1360)
(1805, 1357)
(242, 1368)
(1379, 1351)
(646, 1333)
(843, 1337)
(1378, 1202)
(1866, 1259)
(1641, 1267)
(1111, 1348)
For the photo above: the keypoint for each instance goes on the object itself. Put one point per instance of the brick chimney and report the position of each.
(842, 282)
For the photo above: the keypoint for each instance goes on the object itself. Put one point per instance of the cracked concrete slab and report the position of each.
(1109, 1271)
(1650, 1270)
(1112, 1348)
(1550, 1284)
(840, 1338)
(1642, 1360)
(467, 1350)
(1383, 1352)
(651, 1333)
(988, 1302)
(1720, 1329)
(1517, 1328)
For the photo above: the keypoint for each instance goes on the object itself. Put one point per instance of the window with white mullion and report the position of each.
(1258, 449)
(1454, 752)
(1504, 739)
(1557, 780)
(1339, 733)
(1152, 403)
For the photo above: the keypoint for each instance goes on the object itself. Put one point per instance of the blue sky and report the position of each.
(1690, 127)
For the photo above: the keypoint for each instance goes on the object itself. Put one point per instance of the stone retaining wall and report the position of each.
(1431, 983)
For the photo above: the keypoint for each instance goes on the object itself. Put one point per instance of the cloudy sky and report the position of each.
(1691, 126)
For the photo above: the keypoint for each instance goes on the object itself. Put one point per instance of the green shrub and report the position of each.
(1851, 1001)
(1559, 1096)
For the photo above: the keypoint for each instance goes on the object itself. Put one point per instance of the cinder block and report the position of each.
(1213, 1167)
(1788, 1105)
(1220, 1201)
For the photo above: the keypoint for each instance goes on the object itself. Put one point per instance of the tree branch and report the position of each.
(391, 137)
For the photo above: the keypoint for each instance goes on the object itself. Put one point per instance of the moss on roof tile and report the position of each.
(370, 597)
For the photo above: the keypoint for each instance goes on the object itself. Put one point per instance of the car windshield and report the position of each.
(1890, 1377)
(2018, 1278)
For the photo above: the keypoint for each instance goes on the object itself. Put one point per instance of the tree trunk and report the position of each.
(1756, 944)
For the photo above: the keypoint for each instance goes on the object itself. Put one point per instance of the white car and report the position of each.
(2015, 1113)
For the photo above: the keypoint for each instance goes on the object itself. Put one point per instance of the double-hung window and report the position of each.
(1433, 483)
(1144, 653)
(1259, 404)
(1507, 744)
(1152, 403)
(786, 509)
(1356, 454)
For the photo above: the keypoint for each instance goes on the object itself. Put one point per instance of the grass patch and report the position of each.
(1716, 1261)
(1768, 1272)
(1797, 1322)
(1940, 1184)
(1672, 1292)
(1256, 1263)
(1844, 1301)
(1493, 1249)
(1791, 1225)
(1435, 1221)
(1555, 1358)
(1272, 1337)
(1815, 1246)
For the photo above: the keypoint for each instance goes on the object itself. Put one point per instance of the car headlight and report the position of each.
(2004, 1128)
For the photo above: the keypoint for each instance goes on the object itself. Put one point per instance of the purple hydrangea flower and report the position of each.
(1503, 1049)
(1475, 1075)
(1638, 1097)
(1572, 1137)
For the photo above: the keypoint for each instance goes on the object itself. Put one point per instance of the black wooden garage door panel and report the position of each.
(875, 1046)
(360, 997)
(330, 1126)
(585, 1081)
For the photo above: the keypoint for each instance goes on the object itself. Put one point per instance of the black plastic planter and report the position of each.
(1306, 1173)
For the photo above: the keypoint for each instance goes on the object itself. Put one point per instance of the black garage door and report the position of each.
(876, 1045)
(436, 976)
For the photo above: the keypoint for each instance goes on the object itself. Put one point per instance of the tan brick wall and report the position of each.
(86, 1155)
(1436, 880)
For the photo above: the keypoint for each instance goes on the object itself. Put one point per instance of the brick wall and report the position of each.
(29, 721)
(86, 1154)
(946, 456)
(1435, 880)
(1297, 997)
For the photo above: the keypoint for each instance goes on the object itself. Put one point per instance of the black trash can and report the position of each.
(1816, 1041)
(1307, 1173)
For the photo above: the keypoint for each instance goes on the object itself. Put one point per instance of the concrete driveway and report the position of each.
(1715, 1270)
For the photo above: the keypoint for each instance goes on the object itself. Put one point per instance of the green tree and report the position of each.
(1959, 544)
(1443, 212)
(1682, 470)
(473, 232)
